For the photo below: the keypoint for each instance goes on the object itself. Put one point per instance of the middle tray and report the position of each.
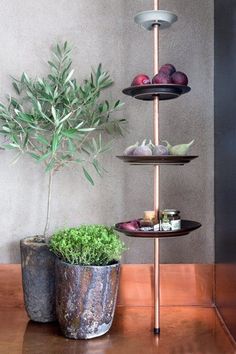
(157, 160)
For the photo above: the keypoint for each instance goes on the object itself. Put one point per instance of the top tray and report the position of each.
(149, 92)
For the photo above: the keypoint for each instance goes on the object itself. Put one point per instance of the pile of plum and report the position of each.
(166, 75)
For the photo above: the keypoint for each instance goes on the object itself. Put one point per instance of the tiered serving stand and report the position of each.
(153, 21)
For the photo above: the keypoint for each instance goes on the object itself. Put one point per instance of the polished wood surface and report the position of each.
(181, 284)
(184, 330)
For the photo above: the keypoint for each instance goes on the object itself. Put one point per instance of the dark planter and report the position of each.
(86, 298)
(38, 279)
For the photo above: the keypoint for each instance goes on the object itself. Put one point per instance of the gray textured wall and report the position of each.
(104, 31)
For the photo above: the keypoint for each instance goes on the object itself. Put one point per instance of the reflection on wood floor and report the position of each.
(184, 330)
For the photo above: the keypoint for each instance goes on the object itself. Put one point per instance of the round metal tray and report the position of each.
(149, 92)
(157, 160)
(147, 19)
(187, 226)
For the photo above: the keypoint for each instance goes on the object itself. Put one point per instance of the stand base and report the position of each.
(156, 330)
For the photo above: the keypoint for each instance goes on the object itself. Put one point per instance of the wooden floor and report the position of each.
(189, 323)
(184, 330)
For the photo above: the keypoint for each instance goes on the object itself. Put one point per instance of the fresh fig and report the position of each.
(141, 79)
(179, 78)
(143, 150)
(130, 150)
(179, 150)
(160, 150)
(162, 78)
(168, 69)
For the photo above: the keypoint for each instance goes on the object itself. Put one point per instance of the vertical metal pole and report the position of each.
(156, 184)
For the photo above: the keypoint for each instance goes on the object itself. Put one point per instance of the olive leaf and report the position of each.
(57, 120)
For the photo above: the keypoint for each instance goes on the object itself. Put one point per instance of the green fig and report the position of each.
(178, 150)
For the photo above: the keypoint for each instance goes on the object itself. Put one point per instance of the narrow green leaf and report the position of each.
(55, 142)
(26, 140)
(98, 73)
(69, 76)
(65, 118)
(54, 114)
(79, 125)
(35, 156)
(70, 133)
(96, 166)
(25, 117)
(6, 129)
(26, 78)
(88, 177)
(39, 106)
(95, 145)
(59, 50)
(52, 65)
(14, 84)
(45, 156)
(42, 140)
(118, 104)
(10, 146)
(86, 129)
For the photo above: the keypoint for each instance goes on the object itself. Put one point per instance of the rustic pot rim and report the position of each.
(33, 240)
(113, 265)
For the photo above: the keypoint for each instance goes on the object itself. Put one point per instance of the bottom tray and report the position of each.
(187, 226)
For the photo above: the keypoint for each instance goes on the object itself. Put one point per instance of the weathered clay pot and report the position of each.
(38, 279)
(86, 298)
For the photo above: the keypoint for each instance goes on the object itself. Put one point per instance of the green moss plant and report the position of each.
(88, 245)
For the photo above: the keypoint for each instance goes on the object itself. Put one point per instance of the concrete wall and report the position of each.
(103, 31)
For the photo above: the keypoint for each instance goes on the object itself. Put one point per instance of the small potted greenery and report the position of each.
(87, 279)
(57, 121)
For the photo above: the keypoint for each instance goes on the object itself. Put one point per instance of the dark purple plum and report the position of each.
(179, 78)
(168, 69)
(141, 79)
(162, 78)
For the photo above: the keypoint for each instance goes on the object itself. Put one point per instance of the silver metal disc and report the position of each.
(147, 19)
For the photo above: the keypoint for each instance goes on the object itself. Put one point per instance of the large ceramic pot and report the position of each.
(38, 279)
(86, 298)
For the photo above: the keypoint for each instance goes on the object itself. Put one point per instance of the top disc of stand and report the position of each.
(163, 91)
(148, 19)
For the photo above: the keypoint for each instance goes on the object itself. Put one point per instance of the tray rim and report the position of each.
(159, 234)
(172, 90)
(155, 160)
